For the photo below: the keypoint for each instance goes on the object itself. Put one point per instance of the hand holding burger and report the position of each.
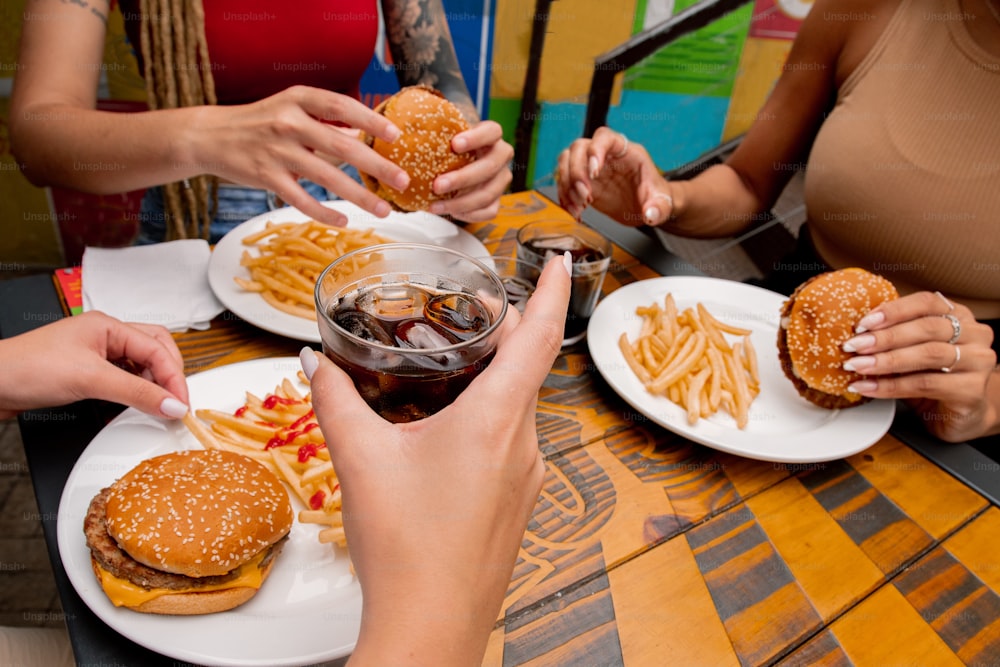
(454, 168)
(934, 354)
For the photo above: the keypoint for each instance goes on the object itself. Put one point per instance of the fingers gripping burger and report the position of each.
(816, 321)
(190, 532)
(428, 123)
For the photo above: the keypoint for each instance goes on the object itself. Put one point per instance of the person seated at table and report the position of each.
(254, 94)
(434, 510)
(891, 114)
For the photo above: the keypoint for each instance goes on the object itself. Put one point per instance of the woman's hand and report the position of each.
(82, 357)
(477, 186)
(616, 178)
(906, 350)
(270, 144)
(435, 510)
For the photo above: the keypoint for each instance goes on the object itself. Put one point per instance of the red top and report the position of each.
(260, 47)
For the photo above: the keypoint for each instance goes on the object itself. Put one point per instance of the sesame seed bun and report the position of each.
(428, 123)
(816, 321)
(197, 513)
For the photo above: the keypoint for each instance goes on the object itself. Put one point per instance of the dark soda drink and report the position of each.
(539, 242)
(418, 359)
(412, 324)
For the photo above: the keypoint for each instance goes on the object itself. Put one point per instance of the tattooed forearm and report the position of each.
(98, 9)
(422, 50)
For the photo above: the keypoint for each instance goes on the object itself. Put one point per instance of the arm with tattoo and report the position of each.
(423, 52)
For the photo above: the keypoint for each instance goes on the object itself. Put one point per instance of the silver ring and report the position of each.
(624, 150)
(956, 327)
(958, 358)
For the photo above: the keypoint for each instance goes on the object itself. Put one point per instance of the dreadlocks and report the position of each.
(178, 74)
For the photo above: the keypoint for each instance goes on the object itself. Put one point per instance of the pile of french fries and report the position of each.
(685, 357)
(291, 255)
(281, 431)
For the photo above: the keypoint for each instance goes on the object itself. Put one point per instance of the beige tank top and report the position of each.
(904, 176)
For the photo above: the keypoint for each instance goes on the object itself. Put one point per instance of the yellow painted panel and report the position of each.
(577, 33)
(760, 65)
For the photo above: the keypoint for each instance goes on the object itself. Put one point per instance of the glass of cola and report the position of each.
(539, 241)
(411, 324)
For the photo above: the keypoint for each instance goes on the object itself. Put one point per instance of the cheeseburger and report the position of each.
(428, 123)
(816, 321)
(190, 532)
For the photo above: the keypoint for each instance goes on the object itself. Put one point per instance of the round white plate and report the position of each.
(224, 263)
(308, 610)
(783, 426)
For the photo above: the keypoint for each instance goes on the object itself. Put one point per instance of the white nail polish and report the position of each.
(173, 408)
(568, 263)
(309, 361)
(651, 214)
(593, 167)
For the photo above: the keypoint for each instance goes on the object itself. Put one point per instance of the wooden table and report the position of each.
(647, 549)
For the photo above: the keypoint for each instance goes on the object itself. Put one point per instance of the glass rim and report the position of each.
(607, 247)
(413, 352)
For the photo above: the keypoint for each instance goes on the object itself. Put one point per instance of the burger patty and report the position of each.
(110, 556)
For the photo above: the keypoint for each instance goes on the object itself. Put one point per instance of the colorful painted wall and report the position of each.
(680, 102)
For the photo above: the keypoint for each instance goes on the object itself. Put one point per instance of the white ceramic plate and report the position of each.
(308, 610)
(224, 264)
(783, 426)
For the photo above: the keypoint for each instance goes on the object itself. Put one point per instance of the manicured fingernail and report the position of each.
(593, 167)
(581, 190)
(862, 386)
(382, 209)
(568, 262)
(858, 343)
(948, 303)
(309, 362)
(859, 363)
(443, 185)
(393, 132)
(459, 144)
(651, 215)
(171, 407)
(868, 321)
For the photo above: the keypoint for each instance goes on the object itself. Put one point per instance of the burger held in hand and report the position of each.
(191, 532)
(428, 123)
(816, 320)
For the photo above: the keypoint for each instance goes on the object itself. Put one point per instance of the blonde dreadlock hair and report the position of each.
(178, 74)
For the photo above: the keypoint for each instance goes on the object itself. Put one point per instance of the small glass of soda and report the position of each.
(538, 242)
(411, 324)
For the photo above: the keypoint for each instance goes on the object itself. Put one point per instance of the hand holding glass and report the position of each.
(411, 324)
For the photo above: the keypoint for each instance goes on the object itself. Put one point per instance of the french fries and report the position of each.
(281, 431)
(290, 257)
(686, 357)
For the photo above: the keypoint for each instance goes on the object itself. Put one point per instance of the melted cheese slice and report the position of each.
(124, 593)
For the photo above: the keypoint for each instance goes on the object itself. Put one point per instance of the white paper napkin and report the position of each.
(163, 283)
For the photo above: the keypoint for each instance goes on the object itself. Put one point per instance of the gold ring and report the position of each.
(958, 357)
(956, 327)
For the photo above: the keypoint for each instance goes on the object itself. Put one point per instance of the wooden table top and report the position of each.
(648, 549)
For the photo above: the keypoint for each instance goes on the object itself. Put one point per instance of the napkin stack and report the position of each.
(165, 284)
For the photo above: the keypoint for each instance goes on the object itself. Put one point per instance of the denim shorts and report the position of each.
(237, 204)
